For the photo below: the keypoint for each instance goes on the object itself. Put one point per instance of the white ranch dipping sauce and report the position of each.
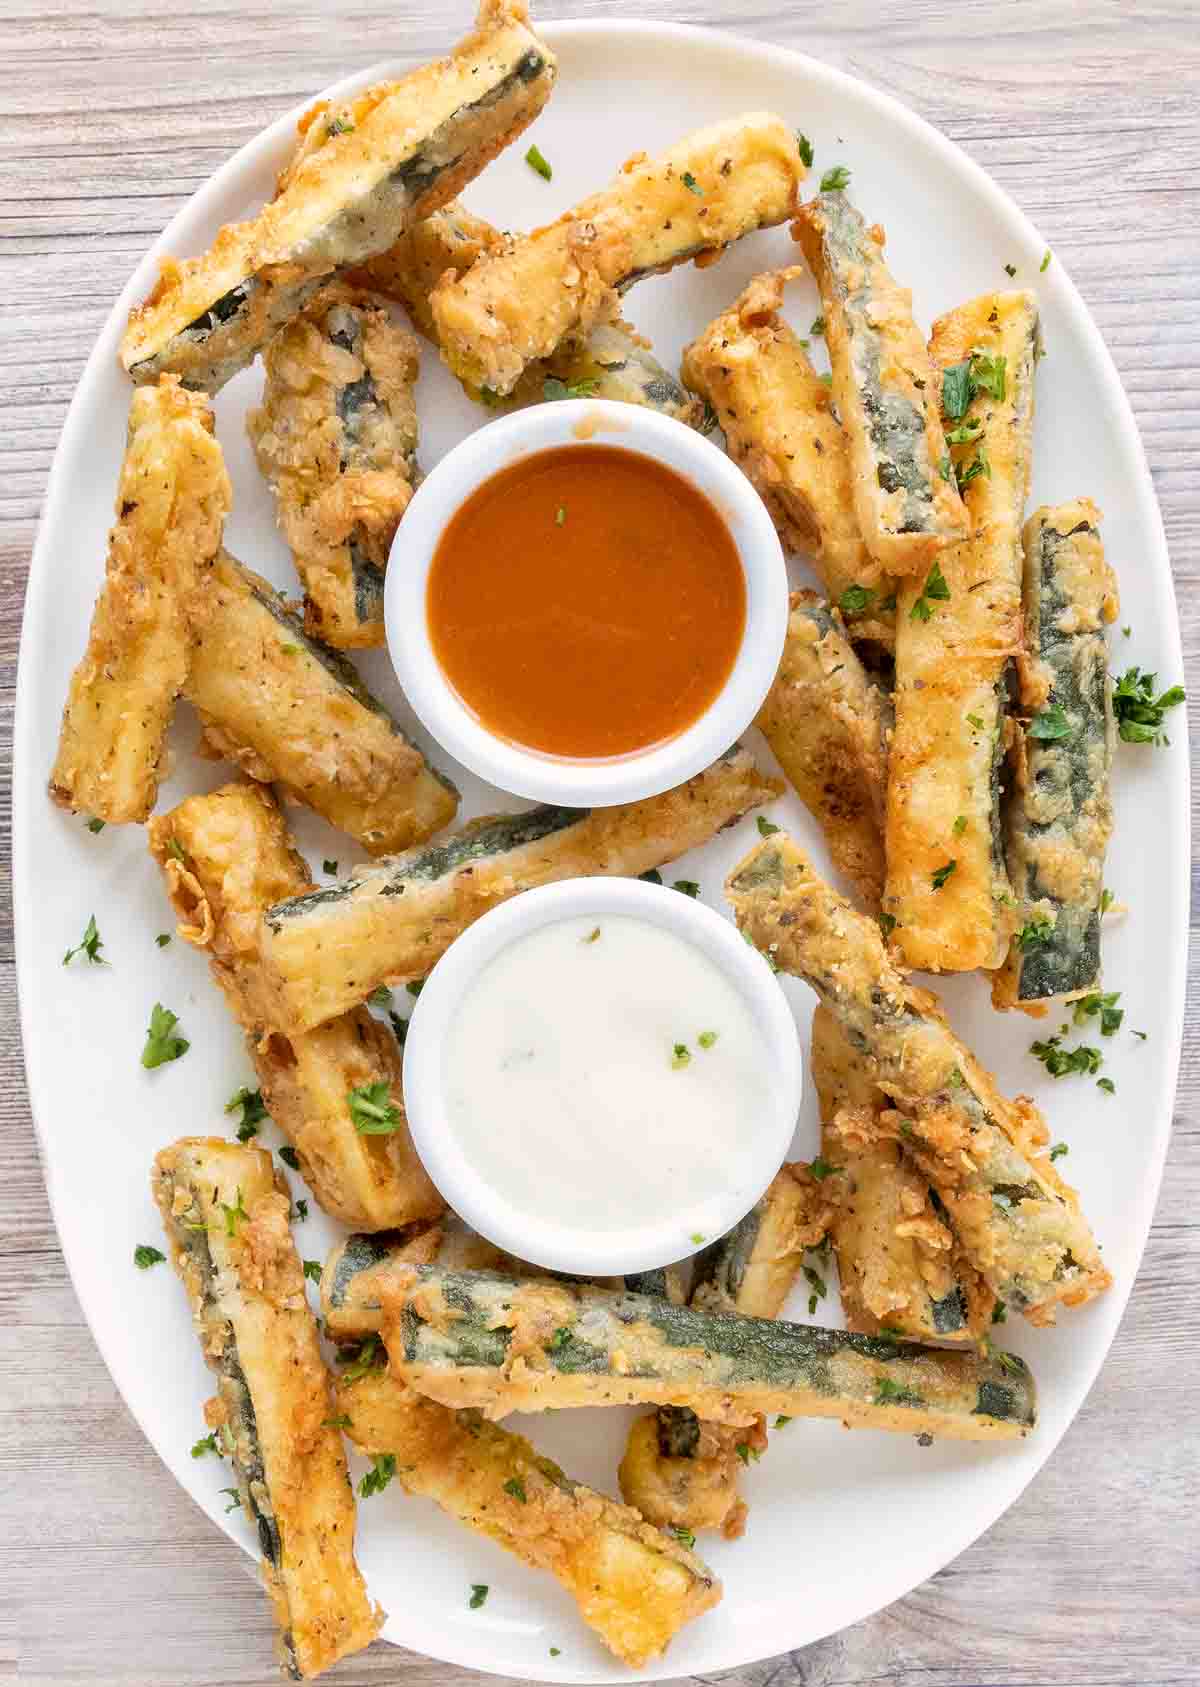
(566, 1092)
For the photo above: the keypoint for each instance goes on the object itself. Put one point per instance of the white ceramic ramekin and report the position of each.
(534, 1234)
(627, 427)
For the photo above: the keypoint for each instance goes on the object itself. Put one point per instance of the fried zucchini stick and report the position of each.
(405, 150)
(390, 922)
(356, 1270)
(828, 724)
(336, 438)
(1060, 815)
(172, 499)
(518, 303)
(900, 1266)
(286, 709)
(224, 857)
(886, 390)
(958, 631)
(777, 417)
(635, 1585)
(610, 361)
(678, 1471)
(1019, 1224)
(225, 1212)
(503, 1345)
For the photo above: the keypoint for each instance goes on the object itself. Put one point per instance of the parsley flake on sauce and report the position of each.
(162, 1045)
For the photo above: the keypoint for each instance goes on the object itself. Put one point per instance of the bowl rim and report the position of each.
(524, 1232)
(484, 453)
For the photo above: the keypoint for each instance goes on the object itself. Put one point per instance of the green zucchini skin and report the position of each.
(233, 328)
(391, 922)
(1060, 818)
(1016, 1220)
(619, 368)
(459, 1333)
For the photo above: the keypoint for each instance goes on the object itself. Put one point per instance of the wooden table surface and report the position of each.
(111, 113)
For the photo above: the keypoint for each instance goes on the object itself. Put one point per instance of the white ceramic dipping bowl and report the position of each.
(534, 1234)
(529, 773)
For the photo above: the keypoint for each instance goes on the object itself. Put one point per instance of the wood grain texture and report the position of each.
(110, 115)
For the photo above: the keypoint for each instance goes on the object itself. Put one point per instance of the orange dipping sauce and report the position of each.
(586, 602)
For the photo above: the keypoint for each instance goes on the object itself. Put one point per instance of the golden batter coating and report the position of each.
(1019, 1224)
(396, 153)
(451, 239)
(519, 302)
(288, 710)
(948, 888)
(225, 1212)
(635, 1585)
(780, 428)
(224, 857)
(886, 390)
(829, 724)
(336, 437)
(172, 499)
(900, 1266)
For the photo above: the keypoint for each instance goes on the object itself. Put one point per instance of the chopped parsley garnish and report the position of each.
(360, 1358)
(176, 850)
(592, 936)
(709, 419)
(941, 874)
(746, 1452)
(479, 1593)
(90, 944)
(536, 161)
(887, 924)
(289, 649)
(945, 466)
(301, 1209)
(1060, 1062)
(966, 433)
(988, 374)
(144, 1256)
(855, 599)
(806, 149)
(1107, 1085)
(782, 1422)
(1102, 1005)
(553, 388)
(340, 126)
(373, 1111)
(696, 1238)
(706, 1039)
(234, 1502)
(766, 828)
(1139, 712)
(555, 1651)
(1045, 264)
(234, 1215)
(329, 867)
(206, 1444)
(1141, 1035)
(976, 722)
(935, 590)
(560, 516)
(414, 987)
(1106, 900)
(693, 186)
(1050, 724)
(834, 180)
(1057, 1152)
(818, 326)
(1035, 931)
(961, 382)
(312, 1270)
(960, 825)
(980, 464)
(289, 1156)
(680, 1057)
(651, 876)
(383, 1468)
(1010, 270)
(95, 824)
(685, 1537)
(817, 1284)
(822, 1168)
(999, 1313)
(163, 938)
(516, 1488)
(253, 1111)
(161, 1043)
(956, 389)
(827, 379)
(890, 1393)
(689, 887)
(380, 997)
